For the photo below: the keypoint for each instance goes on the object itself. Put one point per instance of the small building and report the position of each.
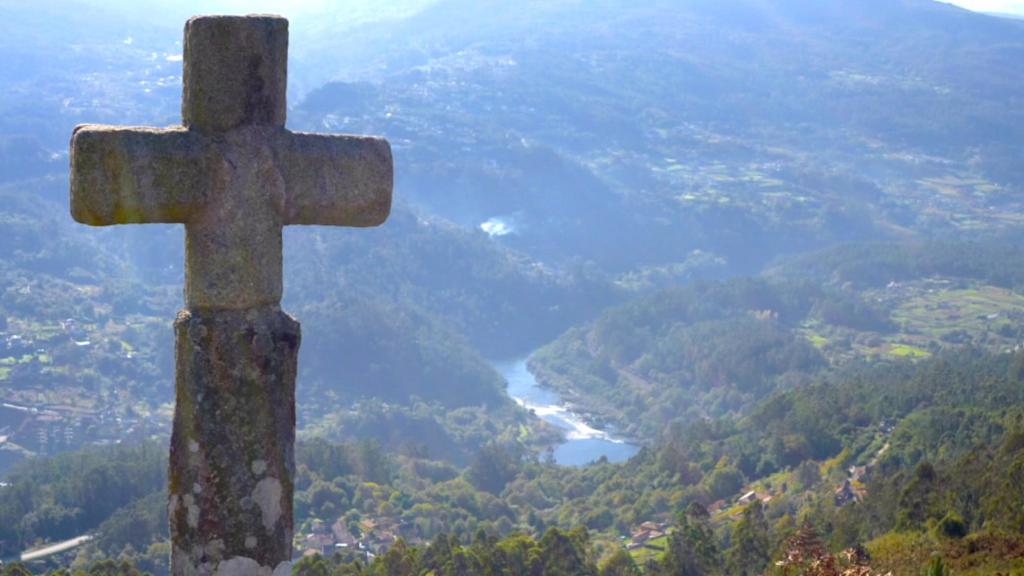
(646, 532)
(320, 543)
(755, 496)
(848, 492)
(859, 473)
(342, 535)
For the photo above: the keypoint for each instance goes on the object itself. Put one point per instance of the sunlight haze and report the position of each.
(998, 6)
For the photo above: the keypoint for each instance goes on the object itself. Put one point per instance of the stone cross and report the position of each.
(234, 176)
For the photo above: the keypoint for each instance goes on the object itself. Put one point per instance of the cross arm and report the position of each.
(122, 175)
(336, 180)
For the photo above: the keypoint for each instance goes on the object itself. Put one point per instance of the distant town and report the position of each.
(39, 424)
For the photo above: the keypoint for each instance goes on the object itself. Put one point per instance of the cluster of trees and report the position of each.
(61, 498)
(100, 568)
(942, 442)
(692, 549)
(556, 553)
(987, 259)
(716, 348)
(686, 353)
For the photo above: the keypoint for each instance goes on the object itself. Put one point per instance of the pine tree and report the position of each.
(806, 555)
(563, 555)
(400, 560)
(749, 554)
(619, 564)
(692, 549)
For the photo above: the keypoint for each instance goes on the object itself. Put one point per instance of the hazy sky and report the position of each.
(292, 8)
(1008, 6)
(349, 11)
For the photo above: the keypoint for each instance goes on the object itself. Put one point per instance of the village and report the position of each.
(38, 417)
(377, 537)
(47, 429)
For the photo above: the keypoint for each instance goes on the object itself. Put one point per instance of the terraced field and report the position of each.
(981, 312)
(652, 550)
(928, 316)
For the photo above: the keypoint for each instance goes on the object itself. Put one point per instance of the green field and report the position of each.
(926, 316)
(907, 351)
(935, 313)
(653, 550)
(817, 340)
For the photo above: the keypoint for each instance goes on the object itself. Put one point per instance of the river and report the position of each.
(583, 443)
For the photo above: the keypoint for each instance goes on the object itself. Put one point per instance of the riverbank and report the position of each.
(584, 442)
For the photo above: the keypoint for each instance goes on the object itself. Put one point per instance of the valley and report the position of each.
(583, 444)
(758, 265)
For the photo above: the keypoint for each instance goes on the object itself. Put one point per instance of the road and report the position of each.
(54, 549)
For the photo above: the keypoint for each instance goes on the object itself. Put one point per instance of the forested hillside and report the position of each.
(632, 135)
(778, 245)
(905, 459)
(714, 348)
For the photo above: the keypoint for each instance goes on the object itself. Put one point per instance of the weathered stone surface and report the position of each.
(336, 180)
(124, 175)
(235, 72)
(234, 176)
(232, 460)
(233, 192)
(233, 244)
